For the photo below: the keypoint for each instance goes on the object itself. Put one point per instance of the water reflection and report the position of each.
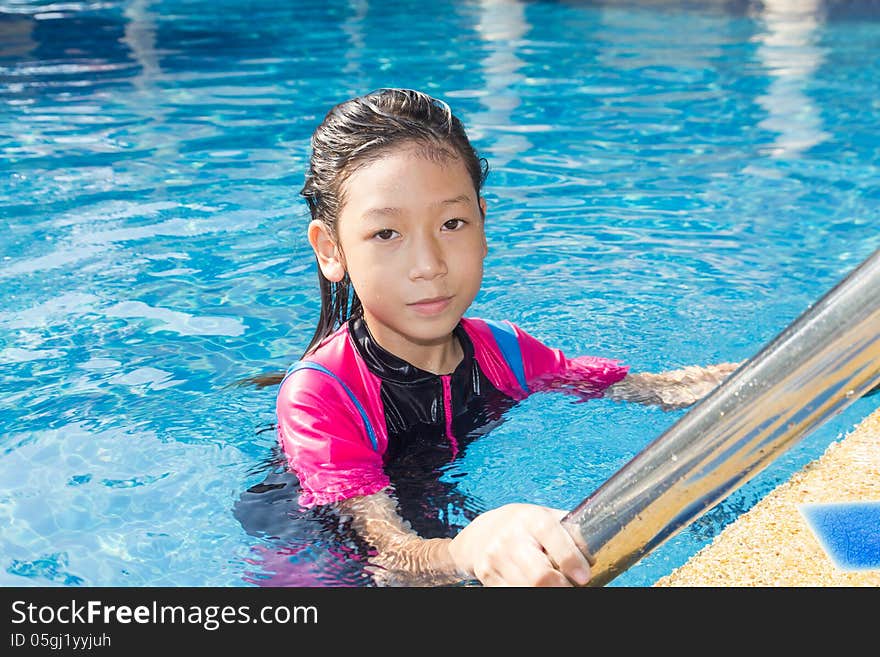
(788, 50)
(501, 24)
(16, 35)
(353, 27)
(298, 547)
(140, 36)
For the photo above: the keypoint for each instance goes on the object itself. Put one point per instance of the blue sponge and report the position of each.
(849, 532)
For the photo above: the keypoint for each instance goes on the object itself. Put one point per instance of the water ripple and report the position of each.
(177, 321)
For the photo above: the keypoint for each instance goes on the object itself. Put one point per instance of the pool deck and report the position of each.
(772, 544)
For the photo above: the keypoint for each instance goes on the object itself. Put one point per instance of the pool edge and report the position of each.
(772, 544)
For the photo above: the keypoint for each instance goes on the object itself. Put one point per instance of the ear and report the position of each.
(328, 253)
(483, 212)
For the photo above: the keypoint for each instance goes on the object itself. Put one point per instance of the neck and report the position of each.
(439, 359)
(438, 356)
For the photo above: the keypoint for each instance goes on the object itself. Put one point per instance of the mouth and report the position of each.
(430, 306)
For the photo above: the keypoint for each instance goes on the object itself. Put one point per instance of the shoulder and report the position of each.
(317, 375)
(504, 353)
(503, 333)
(333, 353)
(493, 327)
(316, 399)
(538, 366)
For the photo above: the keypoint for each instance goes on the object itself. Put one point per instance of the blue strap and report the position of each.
(308, 365)
(507, 341)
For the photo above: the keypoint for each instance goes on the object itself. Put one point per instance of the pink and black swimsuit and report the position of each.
(354, 419)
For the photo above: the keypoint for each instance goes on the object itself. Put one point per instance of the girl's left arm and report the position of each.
(673, 389)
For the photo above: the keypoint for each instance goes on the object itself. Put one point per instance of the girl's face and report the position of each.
(410, 235)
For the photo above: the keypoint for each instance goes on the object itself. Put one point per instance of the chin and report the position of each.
(435, 330)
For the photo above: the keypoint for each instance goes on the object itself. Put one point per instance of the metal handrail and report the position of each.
(821, 363)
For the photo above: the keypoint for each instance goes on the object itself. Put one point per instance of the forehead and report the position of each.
(407, 176)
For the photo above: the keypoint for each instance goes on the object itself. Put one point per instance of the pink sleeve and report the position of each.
(325, 440)
(549, 369)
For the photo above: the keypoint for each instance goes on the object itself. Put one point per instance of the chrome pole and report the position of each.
(825, 360)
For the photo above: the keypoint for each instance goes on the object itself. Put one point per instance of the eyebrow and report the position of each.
(383, 212)
(461, 198)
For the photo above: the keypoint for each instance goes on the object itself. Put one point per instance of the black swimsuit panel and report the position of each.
(412, 398)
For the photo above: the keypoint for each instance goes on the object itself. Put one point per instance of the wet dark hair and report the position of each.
(355, 133)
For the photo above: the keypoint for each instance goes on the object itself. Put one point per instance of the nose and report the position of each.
(428, 260)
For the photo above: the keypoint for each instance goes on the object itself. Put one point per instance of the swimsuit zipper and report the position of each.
(446, 380)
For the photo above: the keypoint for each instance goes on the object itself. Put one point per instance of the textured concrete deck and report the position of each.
(772, 544)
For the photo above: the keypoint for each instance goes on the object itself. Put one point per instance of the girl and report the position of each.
(396, 380)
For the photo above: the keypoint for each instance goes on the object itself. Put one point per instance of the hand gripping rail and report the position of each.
(825, 360)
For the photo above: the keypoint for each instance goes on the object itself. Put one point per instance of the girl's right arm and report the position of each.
(513, 545)
(402, 556)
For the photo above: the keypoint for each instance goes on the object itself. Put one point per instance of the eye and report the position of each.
(454, 224)
(384, 235)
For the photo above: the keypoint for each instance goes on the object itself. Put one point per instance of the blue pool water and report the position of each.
(670, 184)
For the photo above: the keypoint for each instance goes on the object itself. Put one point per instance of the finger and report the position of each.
(562, 551)
(509, 573)
(533, 566)
(525, 564)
